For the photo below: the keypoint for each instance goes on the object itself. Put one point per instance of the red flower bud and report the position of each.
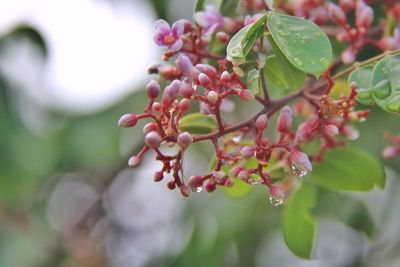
(210, 186)
(244, 174)
(149, 127)
(248, 151)
(185, 191)
(134, 161)
(171, 185)
(156, 107)
(246, 94)
(364, 20)
(195, 182)
(222, 37)
(186, 90)
(184, 139)
(336, 14)
(301, 165)
(209, 70)
(212, 96)
(331, 129)
(234, 172)
(153, 139)
(225, 77)
(262, 122)
(184, 105)
(153, 89)
(276, 196)
(285, 120)
(219, 176)
(158, 176)
(204, 80)
(171, 92)
(127, 120)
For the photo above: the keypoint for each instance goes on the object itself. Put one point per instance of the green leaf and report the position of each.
(228, 7)
(302, 42)
(198, 123)
(242, 42)
(253, 81)
(280, 72)
(298, 224)
(386, 84)
(348, 169)
(363, 78)
(201, 4)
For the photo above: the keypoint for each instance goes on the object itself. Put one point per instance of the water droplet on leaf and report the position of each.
(298, 61)
(282, 32)
(318, 34)
(324, 62)
(385, 70)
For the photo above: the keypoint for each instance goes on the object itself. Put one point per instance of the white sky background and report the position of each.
(98, 50)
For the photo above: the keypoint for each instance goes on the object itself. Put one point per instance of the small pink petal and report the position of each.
(201, 18)
(161, 26)
(177, 45)
(178, 28)
(159, 39)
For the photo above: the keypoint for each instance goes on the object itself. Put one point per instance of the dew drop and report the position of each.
(237, 138)
(299, 170)
(302, 41)
(324, 62)
(299, 35)
(276, 200)
(197, 189)
(282, 32)
(298, 61)
(394, 104)
(385, 70)
(318, 34)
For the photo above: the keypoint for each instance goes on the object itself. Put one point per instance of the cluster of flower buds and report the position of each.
(197, 79)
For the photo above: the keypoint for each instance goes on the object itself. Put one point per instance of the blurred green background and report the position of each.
(66, 196)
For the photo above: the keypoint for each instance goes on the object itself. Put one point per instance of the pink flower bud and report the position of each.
(153, 89)
(262, 122)
(364, 20)
(186, 90)
(246, 94)
(185, 191)
(229, 182)
(285, 120)
(184, 139)
(204, 80)
(225, 77)
(184, 105)
(389, 152)
(244, 174)
(209, 70)
(331, 129)
(347, 5)
(153, 139)
(171, 92)
(205, 109)
(301, 165)
(219, 176)
(210, 186)
(336, 14)
(388, 43)
(158, 176)
(212, 96)
(171, 185)
(348, 56)
(156, 107)
(134, 161)
(127, 120)
(194, 182)
(350, 132)
(149, 127)
(187, 24)
(276, 195)
(222, 37)
(248, 151)
(234, 172)
(186, 67)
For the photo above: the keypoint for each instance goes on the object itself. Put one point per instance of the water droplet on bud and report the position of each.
(197, 189)
(276, 196)
(254, 179)
(299, 170)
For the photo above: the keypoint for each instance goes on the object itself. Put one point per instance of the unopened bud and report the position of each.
(336, 14)
(301, 164)
(234, 172)
(204, 80)
(248, 151)
(246, 94)
(389, 152)
(331, 129)
(184, 105)
(134, 161)
(127, 120)
(364, 20)
(185, 191)
(205, 109)
(195, 182)
(149, 127)
(222, 37)
(186, 90)
(212, 96)
(153, 139)
(153, 89)
(225, 77)
(209, 70)
(276, 196)
(262, 122)
(219, 176)
(244, 174)
(186, 67)
(171, 92)
(184, 139)
(210, 186)
(348, 56)
(347, 5)
(158, 176)
(285, 120)
(156, 106)
(171, 185)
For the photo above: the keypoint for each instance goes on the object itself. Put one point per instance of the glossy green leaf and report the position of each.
(280, 72)
(198, 123)
(348, 169)
(302, 42)
(253, 81)
(363, 78)
(242, 42)
(298, 224)
(386, 84)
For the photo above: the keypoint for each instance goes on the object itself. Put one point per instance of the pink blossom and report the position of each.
(169, 36)
(249, 19)
(210, 19)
